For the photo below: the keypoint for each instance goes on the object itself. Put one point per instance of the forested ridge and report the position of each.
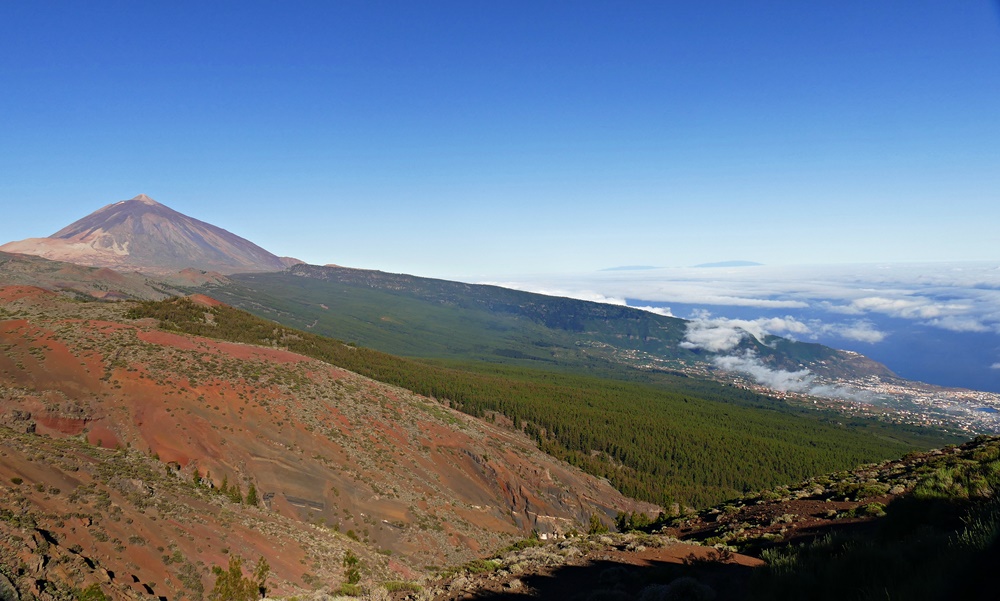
(651, 442)
(421, 317)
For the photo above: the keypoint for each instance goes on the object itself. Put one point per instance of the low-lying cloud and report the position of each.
(584, 295)
(720, 335)
(861, 331)
(715, 339)
(802, 381)
(904, 315)
(906, 308)
(959, 297)
(958, 324)
(776, 379)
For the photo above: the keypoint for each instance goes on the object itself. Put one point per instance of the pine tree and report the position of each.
(234, 494)
(260, 574)
(252, 496)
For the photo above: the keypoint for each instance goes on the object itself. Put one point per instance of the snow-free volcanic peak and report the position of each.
(143, 234)
(145, 199)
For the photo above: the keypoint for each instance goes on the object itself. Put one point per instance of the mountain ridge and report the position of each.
(504, 316)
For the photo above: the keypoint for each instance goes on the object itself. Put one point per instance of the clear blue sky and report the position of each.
(476, 139)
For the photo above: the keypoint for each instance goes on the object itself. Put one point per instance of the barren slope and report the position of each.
(95, 282)
(73, 515)
(400, 472)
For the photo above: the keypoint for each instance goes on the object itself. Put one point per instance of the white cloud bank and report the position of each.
(776, 379)
(720, 335)
(802, 381)
(861, 331)
(959, 297)
(857, 303)
(957, 323)
(584, 295)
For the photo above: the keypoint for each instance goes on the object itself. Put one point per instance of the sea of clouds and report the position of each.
(935, 322)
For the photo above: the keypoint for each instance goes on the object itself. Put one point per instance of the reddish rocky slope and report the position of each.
(365, 464)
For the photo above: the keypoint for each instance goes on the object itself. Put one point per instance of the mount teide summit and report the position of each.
(143, 234)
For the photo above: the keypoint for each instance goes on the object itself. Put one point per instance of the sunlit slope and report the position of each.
(652, 442)
(423, 317)
(320, 444)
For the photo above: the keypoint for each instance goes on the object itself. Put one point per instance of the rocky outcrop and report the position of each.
(19, 421)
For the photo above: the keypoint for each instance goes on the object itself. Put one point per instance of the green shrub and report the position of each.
(232, 585)
(349, 590)
(91, 593)
(524, 543)
(875, 510)
(395, 586)
(596, 525)
(352, 564)
(627, 522)
(480, 566)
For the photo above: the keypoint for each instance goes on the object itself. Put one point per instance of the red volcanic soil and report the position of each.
(205, 301)
(102, 436)
(15, 293)
(321, 445)
(242, 352)
(36, 358)
(119, 520)
(54, 424)
(108, 275)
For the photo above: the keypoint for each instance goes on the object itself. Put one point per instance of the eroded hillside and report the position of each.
(336, 458)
